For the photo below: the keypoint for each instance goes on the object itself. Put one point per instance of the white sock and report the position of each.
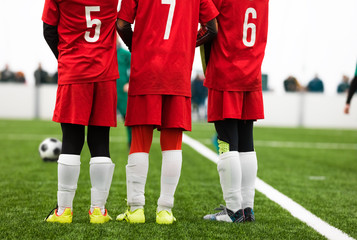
(230, 175)
(249, 165)
(68, 173)
(101, 174)
(170, 175)
(136, 174)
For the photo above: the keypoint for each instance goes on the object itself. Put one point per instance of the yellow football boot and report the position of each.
(165, 217)
(136, 216)
(65, 217)
(97, 217)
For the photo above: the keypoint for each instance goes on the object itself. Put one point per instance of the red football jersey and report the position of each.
(238, 51)
(87, 39)
(163, 43)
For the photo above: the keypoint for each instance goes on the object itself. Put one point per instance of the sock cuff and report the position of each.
(100, 160)
(69, 159)
(247, 156)
(247, 153)
(167, 153)
(228, 155)
(138, 164)
(138, 155)
(67, 188)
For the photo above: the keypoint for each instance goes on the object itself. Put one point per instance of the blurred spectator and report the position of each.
(199, 95)
(315, 85)
(20, 77)
(41, 76)
(344, 85)
(7, 75)
(123, 84)
(54, 78)
(265, 82)
(291, 84)
(351, 91)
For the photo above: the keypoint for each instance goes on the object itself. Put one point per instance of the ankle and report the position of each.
(163, 208)
(133, 208)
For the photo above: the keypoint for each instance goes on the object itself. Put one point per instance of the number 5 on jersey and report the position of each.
(90, 23)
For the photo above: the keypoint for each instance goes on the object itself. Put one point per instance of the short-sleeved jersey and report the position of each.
(163, 43)
(87, 39)
(238, 50)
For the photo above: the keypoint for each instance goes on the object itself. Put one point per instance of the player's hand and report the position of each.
(126, 87)
(347, 109)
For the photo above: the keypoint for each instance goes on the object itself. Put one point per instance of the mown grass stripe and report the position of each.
(285, 202)
(310, 145)
(259, 143)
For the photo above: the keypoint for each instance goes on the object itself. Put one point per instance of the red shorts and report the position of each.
(162, 111)
(87, 104)
(236, 105)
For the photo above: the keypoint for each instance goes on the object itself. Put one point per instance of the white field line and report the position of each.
(307, 145)
(285, 202)
(311, 145)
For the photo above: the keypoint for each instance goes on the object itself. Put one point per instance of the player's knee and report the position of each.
(72, 138)
(171, 139)
(98, 141)
(246, 147)
(141, 138)
(72, 144)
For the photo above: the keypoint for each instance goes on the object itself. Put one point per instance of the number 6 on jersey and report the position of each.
(169, 17)
(252, 26)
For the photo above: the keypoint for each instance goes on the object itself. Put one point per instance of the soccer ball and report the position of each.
(50, 149)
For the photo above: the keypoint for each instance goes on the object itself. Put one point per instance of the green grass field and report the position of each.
(299, 163)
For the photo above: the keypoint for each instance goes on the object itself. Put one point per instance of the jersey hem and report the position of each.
(87, 80)
(160, 93)
(253, 89)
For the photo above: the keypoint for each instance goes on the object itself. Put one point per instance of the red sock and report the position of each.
(171, 139)
(141, 138)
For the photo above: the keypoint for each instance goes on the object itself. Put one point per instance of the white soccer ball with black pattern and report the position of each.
(50, 149)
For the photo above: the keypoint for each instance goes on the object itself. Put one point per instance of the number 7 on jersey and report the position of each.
(172, 4)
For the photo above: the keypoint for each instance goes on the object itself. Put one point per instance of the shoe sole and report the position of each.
(135, 222)
(65, 222)
(97, 221)
(164, 223)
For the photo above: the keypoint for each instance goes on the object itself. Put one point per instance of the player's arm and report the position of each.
(50, 34)
(204, 39)
(125, 32)
(207, 32)
(352, 90)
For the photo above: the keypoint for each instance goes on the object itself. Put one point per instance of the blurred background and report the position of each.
(307, 39)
